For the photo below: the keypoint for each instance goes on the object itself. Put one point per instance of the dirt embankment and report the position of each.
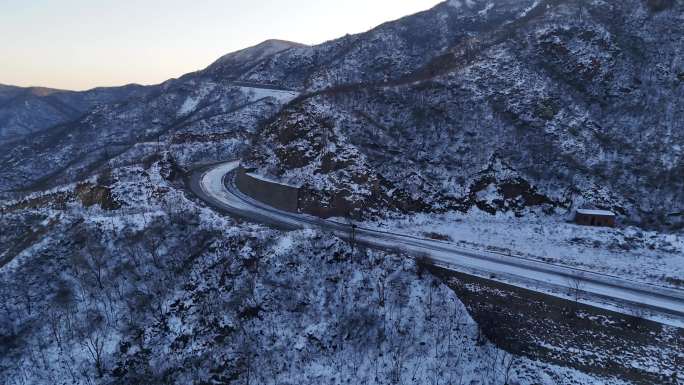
(569, 334)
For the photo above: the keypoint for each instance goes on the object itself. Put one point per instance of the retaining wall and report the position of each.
(280, 196)
(313, 203)
(545, 328)
(290, 198)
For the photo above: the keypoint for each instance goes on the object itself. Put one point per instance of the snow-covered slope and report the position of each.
(199, 117)
(156, 289)
(112, 275)
(25, 111)
(581, 101)
(235, 64)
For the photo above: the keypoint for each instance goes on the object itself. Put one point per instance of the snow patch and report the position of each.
(191, 102)
(486, 10)
(530, 8)
(455, 3)
(188, 106)
(281, 96)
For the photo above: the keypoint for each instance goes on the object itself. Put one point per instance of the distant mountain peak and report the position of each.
(280, 42)
(35, 90)
(43, 91)
(253, 55)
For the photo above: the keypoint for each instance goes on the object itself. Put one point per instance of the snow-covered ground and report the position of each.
(282, 96)
(629, 253)
(163, 291)
(613, 293)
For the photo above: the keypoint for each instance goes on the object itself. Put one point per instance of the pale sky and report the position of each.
(80, 44)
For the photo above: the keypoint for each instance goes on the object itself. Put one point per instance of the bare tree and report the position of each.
(575, 285)
(94, 339)
(433, 285)
(507, 363)
(95, 346)
(422, 263)
(381, 290)
(27, 298)
(638, 317)
(352, 233)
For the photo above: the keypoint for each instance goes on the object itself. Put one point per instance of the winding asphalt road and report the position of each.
(215, 185)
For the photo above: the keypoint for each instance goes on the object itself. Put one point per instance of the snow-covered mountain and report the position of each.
(581, 100)
(235, 64)
(25, 111)
(112, 273)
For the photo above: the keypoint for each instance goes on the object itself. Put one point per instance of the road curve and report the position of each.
(215, 185)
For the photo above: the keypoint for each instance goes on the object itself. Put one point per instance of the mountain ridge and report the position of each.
(444, 77)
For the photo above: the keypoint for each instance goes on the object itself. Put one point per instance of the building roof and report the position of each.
(602, 213)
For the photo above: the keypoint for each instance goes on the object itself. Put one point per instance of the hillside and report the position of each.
(483, 123)
(126, 281)
(580, 101)
(26, 111)
(564, 94)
